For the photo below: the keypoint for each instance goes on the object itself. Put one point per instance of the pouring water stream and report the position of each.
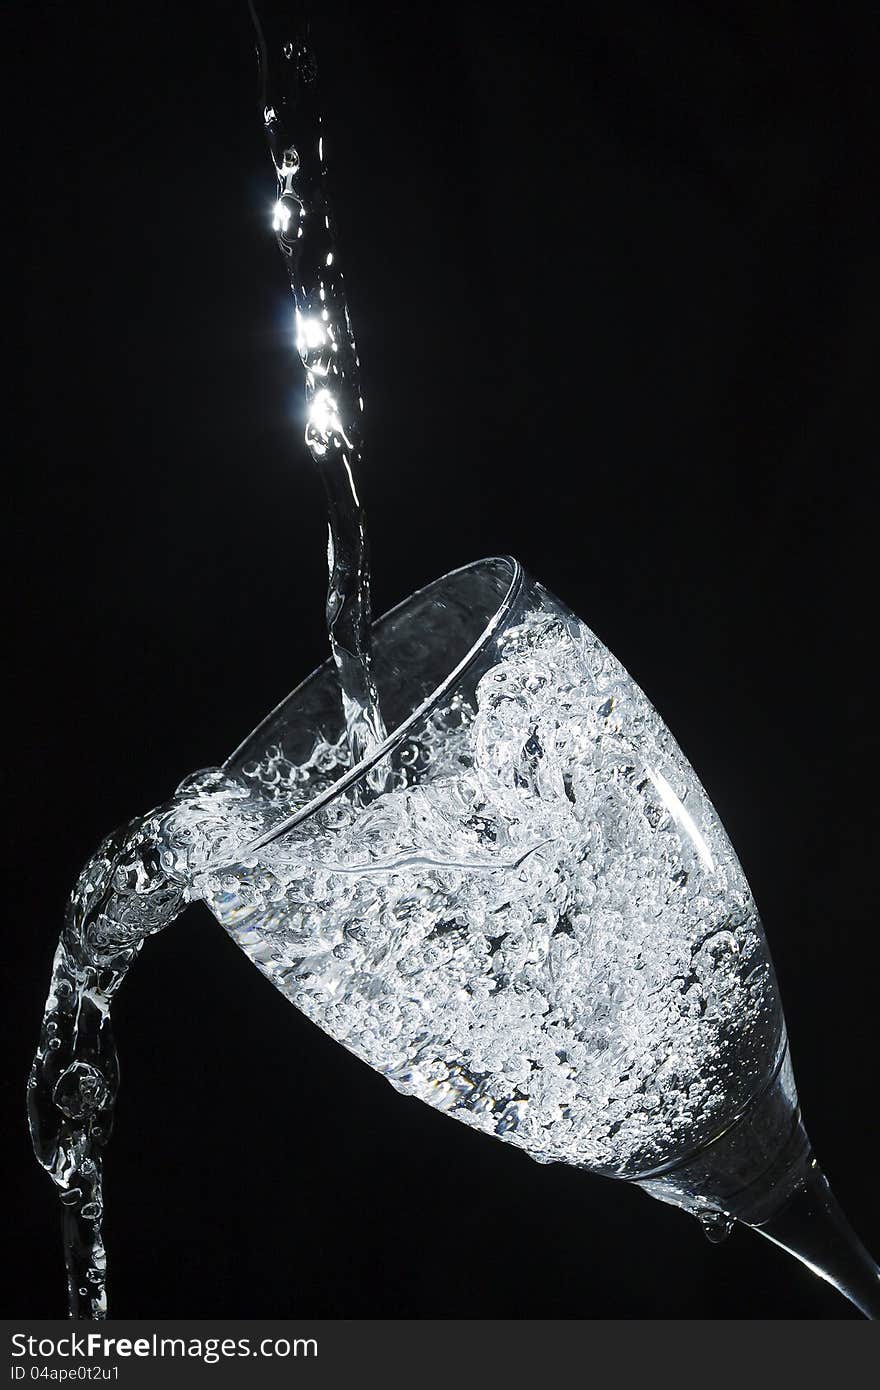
(135, 884)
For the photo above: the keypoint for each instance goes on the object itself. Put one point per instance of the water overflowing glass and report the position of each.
(519, 905)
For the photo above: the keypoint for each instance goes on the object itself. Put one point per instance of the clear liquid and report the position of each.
(537, 938)
(303, 224)
(122, 896)
(549, 937)
(125, 892)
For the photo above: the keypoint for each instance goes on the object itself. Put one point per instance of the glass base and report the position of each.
(750, 1170)
(762, 1172)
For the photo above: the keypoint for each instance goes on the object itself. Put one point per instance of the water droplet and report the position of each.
(717, 1225)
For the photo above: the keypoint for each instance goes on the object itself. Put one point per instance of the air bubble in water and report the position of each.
(80, 1091)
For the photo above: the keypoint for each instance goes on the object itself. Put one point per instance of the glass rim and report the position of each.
(399, 733)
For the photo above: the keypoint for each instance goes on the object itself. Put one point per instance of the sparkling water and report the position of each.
(532, 921)
(548, 937)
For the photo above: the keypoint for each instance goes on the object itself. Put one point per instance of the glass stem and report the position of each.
(811, 1226)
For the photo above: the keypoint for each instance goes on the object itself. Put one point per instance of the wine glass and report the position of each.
(523, 910)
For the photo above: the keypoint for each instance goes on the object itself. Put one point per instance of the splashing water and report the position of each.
(122, 896)
(536, 938)
(127, 890)
(549, 936)
(472, 937)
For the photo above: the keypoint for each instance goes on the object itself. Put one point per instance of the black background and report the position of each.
(613, 275)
